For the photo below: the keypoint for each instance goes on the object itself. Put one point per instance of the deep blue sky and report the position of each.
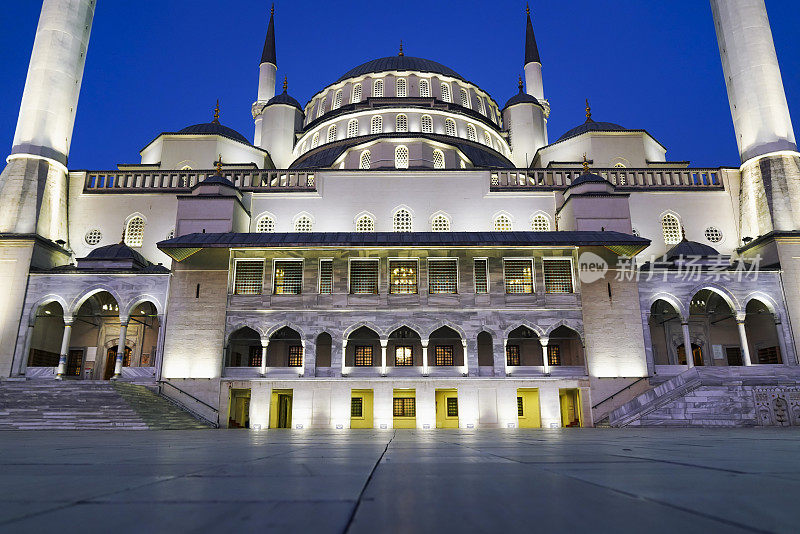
(159, 65)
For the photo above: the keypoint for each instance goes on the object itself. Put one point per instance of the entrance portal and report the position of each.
(570, 400)
(528, 413)
(239, 403)
(280, 411)
(361, 408)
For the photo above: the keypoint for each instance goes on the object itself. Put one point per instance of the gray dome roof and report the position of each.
(588, 178)
(690, 248)
(214, 128)
(400, 63)
(284, 98)
(216, 179)
(116, 252)
(521, 98)
(592, 126)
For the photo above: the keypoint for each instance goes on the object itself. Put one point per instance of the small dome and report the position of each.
(690, 248)
(214, 128)
(116, 252)
(400, 63)
(521, 98)
(588, 178)
(592, 126)
(284, 98)
(216, 179)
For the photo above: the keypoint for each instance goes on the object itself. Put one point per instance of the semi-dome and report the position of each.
(214, 128)
(400, 63)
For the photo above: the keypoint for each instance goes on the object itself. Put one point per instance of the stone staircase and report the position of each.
(88, 405)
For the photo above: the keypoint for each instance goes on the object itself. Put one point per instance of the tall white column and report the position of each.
(687, 344)
(425, 369)
(123, 332)
(62, 359)
(465, 366)
(159, 356)
(544, 341)
(384, 345)
(740, 317)
(264, 347)
(302, 356)
(344, 357)
(782, 342)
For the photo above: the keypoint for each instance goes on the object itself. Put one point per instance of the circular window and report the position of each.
(636, 233)
(171, 234)
(713, 234)
(93, 237)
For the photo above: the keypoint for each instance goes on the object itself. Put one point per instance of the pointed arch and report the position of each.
(538, 330)
(79, 301)
(573, 325)
(672, 300)
(445, 323)
(540, 222)
(141, 299)
(286, 324)
(722, 291)
(367, 324)
(440, 221)
(134, 230)
(265, 223)
(764, 299)
(671, 227)
(44, 301)
(502, 221)
(411, 326)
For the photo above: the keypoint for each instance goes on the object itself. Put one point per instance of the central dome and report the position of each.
(400, 63)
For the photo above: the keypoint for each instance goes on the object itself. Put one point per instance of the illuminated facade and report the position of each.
(404, 252)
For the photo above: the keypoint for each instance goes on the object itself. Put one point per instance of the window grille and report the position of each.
(452, 407)
(424, 88)
(443, 355)
(401, 157)
(438, 159)
(440, 223)
(126, 357)
(288, 277)
(713, 234)
(352, 128)
(401, 87)
(321, 109)
(332, 133)
(365, 223)
(357, 407)
(512, 355)
(377, 89)
(464, 98)
(75, 362)
(481, 277)
(450, 127)
(472, 134)
(769, 355)
(518, 276)
(636, 232)
(520, 411)
(363, 356)
(427, 124)
(337, 100)
(402, 221)
(254, 356)
(134, 232)
(356, 98)
(315, 140)
(325, 277)
(481, 105)
(487, 138)
(540, 223)
(443, 277)
(265, 225)
(171, 234)
(401, 123)
(377, 125)
(403, 356)
(671, 227)
(248, 277)
(364, 277)
(295, 356)
(554, 355)
(93, 237)
(404, 407)
(502, 224)
(303, 224)
(366, 160)
(403, 277)
(557, 276)
(446, 92)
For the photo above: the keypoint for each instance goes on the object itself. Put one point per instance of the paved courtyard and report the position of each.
(596, 480)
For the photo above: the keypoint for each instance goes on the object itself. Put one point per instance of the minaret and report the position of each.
(267, 75)
(770, 190)
(533, 63)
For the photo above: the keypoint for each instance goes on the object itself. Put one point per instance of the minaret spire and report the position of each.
(533, 62)
(531, 49)
(269, 55)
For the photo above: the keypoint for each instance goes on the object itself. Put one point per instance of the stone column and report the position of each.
(309, 357)
(62, 359)
(471, 358)
(344, 355)
(337, 358)
(782, 342)
(687, 344)
(465, 366)
(26, 351)
(384, 345)
(500, 365)
(544, 341)
(123, 331)
(740, 317)
(159, 355)
(264, 346)
(425, 369)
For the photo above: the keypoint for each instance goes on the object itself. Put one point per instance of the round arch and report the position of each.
(719, 290)
(670, 299)
(80, 301)
(141, 299)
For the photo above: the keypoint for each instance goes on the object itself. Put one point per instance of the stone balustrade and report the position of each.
(623, 178)
(182, 181)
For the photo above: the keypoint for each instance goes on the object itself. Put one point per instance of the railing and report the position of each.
(182, 181)
(549, 179)
(629, 386)
(181, 404)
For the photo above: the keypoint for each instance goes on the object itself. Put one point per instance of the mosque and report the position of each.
(405, 251)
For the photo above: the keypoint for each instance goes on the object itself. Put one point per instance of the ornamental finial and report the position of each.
(527, 8)
(285, 84)
(588, 111)
(272, 9)
(585, 164)
(401, 48)
(216, 113)
(218, 165)
(520, 84)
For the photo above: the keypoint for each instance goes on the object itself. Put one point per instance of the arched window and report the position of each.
(464, 98)
(487, 138)
(321, 109)
(377, 125)
(540, 223)
(303, 224)
(446, 93)
(303, 147)
(427, 124)
(502, 223)
(366, 160)
(134, 232)
(440, 223)
(377, 88)
(365, 223)
(402, 89)
(332, 133)
(619, 165)
(401, 157)
(315, 140)
(337, 100)
(352, 128)
(472, 134)
(424, 88)
(481, 105)
(450, 127)
(438, 159)
(265, 225)
(356, 98)
(401, 123)
(402, 221)
(671, 227)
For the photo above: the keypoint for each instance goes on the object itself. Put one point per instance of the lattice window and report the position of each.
(502, 223)
(464, 98)
(356, 98)
(424, 88)
(438, 159)
(288, 277)
(377, 89)
(248, 277)
(134, 232)
(487, 138)
(171, 234)
(365, 223)
(401, 123)
(376, 125)
(472, 134)
(357, 407)
(443, 355)
(558, 276)
(481, 105)
(93, 237)
(365, 161)
(254, 356)
(315, 140)
(295, 356)
(443, 277)
(518, 276)
(401, 87)
(303, 224)
(427, 124)
(446, 93)
(635, 232)
(321, 109)
(325, 277)
(352, 128)
(440, 223)
(403, 277)
(671, 227)
(265, 225)
(512, 355)
(404, 407)
(713, 234)
(403, 356)
(364, 277)
(402, 221)
(332, 133)
(481, 276)
(540, 223)
(363, 356)
(401, 157)
(337, 100)
(450, 127)
(520, 410)
(769, 355)
(452, 407)
(554, 355)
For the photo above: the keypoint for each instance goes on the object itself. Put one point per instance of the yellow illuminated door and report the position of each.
(361, 408)
(446, 408)
(404, 408)
(528, 408)
(280, 408)
(570, 407)
(239, 408)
